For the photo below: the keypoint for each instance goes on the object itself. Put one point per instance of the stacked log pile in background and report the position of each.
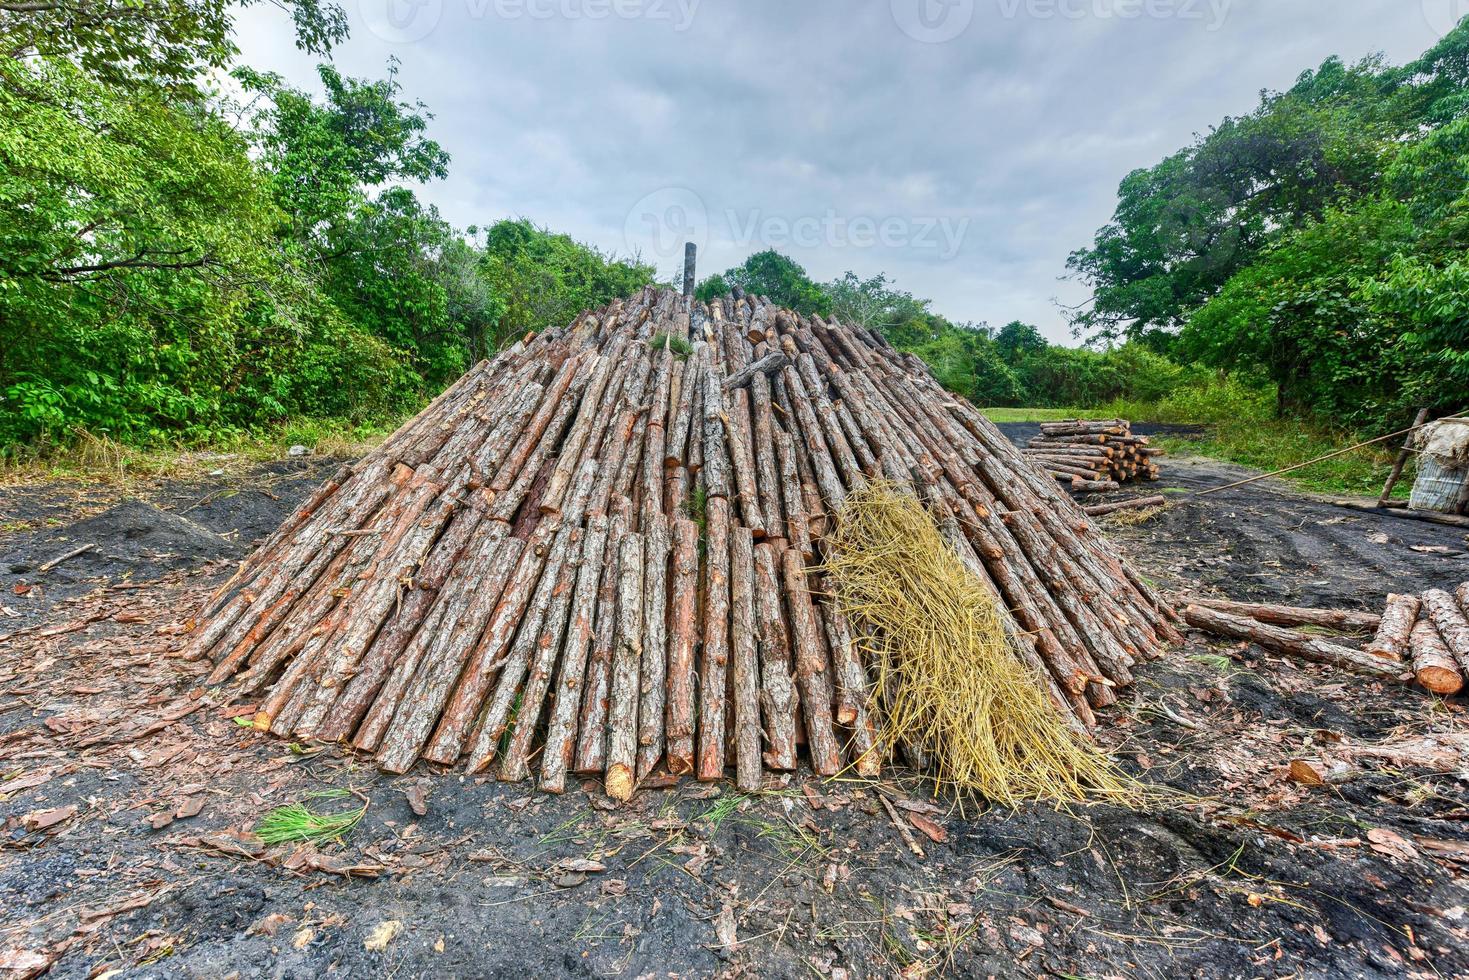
(1093, 455)
(1417, 638)
(599, 553)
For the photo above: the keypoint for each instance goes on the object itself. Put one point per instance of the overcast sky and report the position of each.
(963, 147)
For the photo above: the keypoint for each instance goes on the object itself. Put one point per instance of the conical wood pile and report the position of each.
(595, 554)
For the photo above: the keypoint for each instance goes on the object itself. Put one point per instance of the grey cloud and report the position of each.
(789, 113)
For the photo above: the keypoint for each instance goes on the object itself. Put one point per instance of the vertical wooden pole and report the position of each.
(690, 260)
(1402, 460)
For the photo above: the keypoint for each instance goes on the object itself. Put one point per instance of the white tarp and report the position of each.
(1447, 441)
(1443, 467)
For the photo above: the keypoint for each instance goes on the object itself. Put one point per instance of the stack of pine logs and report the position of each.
(1093, 456)
(600, 553)
(1417, 638)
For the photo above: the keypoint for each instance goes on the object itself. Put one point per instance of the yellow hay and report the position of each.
(948, 680)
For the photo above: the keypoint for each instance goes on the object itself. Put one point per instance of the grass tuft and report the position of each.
(681, 348)
(947, 674)
(298, 822)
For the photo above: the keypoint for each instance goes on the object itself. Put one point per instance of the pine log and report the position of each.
(767, 464)
(1434, 666)
(556, 755)
(627, 655)
(716, 457)
(710, 763)
(503, 655)
(1453, 625)
(683, 619)
(653, 674)
(744, 665)
(1290, 642)
(515, 766)
(1394, 632)
(813, 679)
(591, 740)
(778, 701)
(1339, 619)
(1137, 503)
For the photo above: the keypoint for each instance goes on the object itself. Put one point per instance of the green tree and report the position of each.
(772, 274)
(1298, 317)
(1185, 226)
(873, 303)
(150, 41)
(546, 280)
(1017, 340)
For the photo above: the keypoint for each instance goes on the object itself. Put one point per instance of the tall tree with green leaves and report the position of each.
(769, 273)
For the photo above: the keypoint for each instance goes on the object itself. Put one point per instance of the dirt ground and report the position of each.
(127, 793)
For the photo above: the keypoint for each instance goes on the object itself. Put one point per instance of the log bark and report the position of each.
(813, 679)
(745, 666)
(556, 755)
(653, 675)
(778, 701)
(683, 622)
(1395, 631)
(1339, 619)
(770, 364)
(1434, 665)
(1452, 624)
(627, 655)
(716, 640)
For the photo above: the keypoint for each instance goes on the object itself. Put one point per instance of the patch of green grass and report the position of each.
(1239, 426)
(298, 822)
(681, 348)
(98, 458)
(1043, 414)
(1278, 444)
(722, 809)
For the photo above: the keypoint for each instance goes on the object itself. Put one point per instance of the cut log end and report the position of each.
(620, 782)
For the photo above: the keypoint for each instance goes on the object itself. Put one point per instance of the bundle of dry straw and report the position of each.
(947, 677)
